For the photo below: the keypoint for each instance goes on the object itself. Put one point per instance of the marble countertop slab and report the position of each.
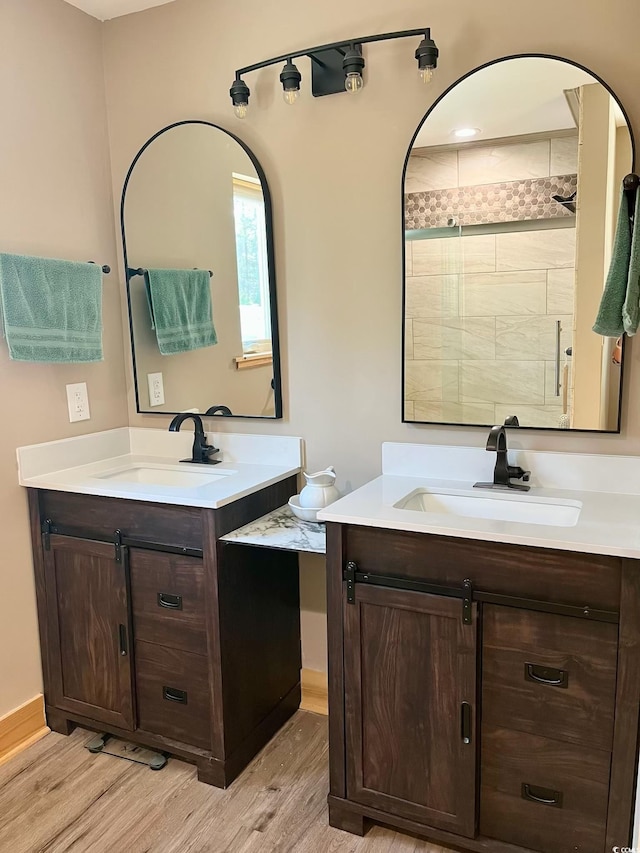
(281, 530)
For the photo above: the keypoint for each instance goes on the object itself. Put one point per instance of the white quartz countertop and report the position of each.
(609, 520)
(237, 481)
(281, 530)
(248, 463)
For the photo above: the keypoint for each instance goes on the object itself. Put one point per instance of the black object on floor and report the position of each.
(127, 751)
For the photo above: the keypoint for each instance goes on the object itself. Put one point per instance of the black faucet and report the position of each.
(503, 473)
(215, 410)
(202, 451)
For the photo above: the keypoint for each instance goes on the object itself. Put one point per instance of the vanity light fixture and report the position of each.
(335, 67)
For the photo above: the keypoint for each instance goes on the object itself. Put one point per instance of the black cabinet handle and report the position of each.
(172, 602)
(172, 694)
(546, 675)
(544, 796)
(465, 722)
(124, 648)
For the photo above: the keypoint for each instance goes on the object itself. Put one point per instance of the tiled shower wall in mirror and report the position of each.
(489, 272)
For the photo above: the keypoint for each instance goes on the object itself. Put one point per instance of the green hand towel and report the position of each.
(181, 309)
(609, 320)
(631, 307)
(51, 309)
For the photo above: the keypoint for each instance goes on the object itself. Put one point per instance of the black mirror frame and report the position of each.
(402, 220)
(273, 306)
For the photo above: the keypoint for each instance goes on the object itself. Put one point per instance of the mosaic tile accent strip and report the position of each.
(512, 201)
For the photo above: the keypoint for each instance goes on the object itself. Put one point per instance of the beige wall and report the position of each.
(334, 166)
(54, 201)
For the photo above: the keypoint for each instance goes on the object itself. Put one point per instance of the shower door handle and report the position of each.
(558, 335)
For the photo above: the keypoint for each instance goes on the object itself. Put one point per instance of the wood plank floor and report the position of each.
(57, 797)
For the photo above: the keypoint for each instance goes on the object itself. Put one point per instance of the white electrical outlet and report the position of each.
(78, 402)
(156, 389)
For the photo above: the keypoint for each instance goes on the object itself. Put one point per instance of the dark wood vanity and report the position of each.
(483, 695)
(153, 630)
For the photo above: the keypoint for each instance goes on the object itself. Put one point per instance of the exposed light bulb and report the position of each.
(353, 82)
(426, 74)
(290, 78)
(353, 66)
(427, 57)
(239, 93)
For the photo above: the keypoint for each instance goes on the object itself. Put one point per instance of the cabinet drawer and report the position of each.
(561, 577)
(173, 694)
(167, 592)
(548, 674)
(97, 517)
(542, 794)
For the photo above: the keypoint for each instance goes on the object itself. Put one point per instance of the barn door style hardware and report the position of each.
(352, 576)
(469, 594)
(117, 543)
(46, 534)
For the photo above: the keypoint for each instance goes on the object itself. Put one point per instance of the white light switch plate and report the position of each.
(78, 402)
(156, 389)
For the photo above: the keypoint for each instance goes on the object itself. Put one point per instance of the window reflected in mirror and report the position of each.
(252, 265)
(511, 199)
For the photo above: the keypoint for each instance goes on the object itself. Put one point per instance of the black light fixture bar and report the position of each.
(327, 73)
(335, 45)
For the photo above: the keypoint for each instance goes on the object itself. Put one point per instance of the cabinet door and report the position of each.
(89, 636)
(410, 679)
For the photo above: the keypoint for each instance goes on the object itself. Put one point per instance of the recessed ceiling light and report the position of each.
(466, 132)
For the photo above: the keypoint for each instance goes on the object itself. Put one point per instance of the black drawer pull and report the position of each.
(465, 722)
(544, 796)
(173, 602)
(124, 648)
(172, 694)
(546, 675)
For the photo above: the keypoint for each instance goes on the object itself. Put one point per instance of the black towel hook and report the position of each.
(630, 184)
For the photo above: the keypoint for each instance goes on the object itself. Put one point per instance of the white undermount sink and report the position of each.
(513, 506)
(165, 475)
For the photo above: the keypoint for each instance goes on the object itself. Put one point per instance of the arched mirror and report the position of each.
(511, 200)
(198, 246)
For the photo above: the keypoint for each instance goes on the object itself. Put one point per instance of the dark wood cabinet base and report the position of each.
(552, 722)
(346, 814)
(342, 816)
(59, 723)
(156, 632)
(211, 771)
(261, 735)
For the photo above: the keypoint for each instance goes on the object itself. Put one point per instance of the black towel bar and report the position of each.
(106, 269)
(141, 271)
